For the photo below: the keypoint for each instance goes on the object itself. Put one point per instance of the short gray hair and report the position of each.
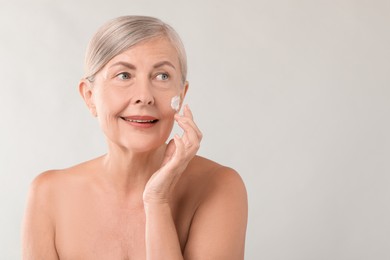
(119, 34)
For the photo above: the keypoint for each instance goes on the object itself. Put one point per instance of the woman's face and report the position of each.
(131, 95)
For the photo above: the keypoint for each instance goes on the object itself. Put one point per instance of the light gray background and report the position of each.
(295, 95)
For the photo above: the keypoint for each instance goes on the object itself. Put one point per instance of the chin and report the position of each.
(142, 145)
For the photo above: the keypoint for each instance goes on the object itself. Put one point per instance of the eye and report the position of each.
(124, 76)
(162, 76)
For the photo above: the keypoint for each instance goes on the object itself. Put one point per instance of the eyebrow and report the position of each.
(131, 66)
(162, 63)
(124, 64)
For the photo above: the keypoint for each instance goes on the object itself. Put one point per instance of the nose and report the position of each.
(142, 94)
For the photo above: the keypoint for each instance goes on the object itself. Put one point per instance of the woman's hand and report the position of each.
(178, 154)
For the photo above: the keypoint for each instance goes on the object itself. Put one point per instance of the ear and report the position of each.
(86, 92)
(183, 93)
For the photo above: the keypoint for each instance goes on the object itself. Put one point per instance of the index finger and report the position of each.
(187, 112)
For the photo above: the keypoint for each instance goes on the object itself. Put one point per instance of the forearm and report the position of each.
(162, 241)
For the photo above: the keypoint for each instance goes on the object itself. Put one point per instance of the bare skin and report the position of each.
(144, 199)
(87, 219)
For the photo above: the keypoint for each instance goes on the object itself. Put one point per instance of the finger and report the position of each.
(180, 148)
(187, 112)
(190, 127)
(173, 161)
(190, 137)
(176, 165)
(188, 118)
(169, 151)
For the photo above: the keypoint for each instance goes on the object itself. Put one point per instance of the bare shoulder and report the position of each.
(43, 186)
(42, 195)
(221, 214)
(217, 187)
(49, 188)
(39, 225)
(55, 181)
(47, 179)
(216, 177)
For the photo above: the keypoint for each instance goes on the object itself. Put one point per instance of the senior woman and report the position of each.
(145, 198)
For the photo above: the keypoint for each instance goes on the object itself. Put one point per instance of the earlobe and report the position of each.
(86, 92)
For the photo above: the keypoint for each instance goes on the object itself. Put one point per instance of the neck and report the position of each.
(128, 171)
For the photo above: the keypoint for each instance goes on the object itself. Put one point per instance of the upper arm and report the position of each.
(219, 225)
(38, 227)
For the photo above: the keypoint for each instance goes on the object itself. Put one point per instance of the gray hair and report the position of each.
(123, 32)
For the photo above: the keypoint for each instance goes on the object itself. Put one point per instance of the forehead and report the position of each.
(149, 51)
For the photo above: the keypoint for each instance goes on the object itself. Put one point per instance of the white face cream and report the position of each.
(175, 103)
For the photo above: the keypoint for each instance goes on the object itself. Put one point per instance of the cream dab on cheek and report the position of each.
(175, 103)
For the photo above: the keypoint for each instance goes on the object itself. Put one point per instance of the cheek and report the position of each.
(165, 106)
(170, 100)
(108, 104)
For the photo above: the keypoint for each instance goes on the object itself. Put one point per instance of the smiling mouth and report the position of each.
(140, 121)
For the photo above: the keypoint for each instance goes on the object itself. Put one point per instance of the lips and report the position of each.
(142, 121)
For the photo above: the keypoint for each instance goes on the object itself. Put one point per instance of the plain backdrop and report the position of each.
(294, 95)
